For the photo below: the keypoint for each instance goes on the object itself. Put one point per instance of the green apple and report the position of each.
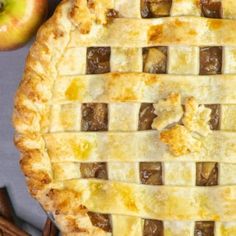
(19, 20)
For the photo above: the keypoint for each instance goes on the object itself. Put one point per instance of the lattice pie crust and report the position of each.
(111, 88)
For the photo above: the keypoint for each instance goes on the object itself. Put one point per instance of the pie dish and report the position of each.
(125, 117)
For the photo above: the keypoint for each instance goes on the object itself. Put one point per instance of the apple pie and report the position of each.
(126, 117)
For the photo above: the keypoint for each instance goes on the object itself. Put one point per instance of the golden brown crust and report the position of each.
(85, 13)
(180, 140)
(31, 109)
(182, 126)
(66, 202)
(30, 102)
(34, 96)
(31, 120)
(70, 214)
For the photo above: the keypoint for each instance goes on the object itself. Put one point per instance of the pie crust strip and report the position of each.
(147, 201)
(139, 146)
(179, 30)
(140, 87)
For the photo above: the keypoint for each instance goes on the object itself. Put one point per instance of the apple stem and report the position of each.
(1, 6)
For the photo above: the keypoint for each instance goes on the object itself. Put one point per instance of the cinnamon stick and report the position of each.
(50, 229)
(10, 229)
(6, 209)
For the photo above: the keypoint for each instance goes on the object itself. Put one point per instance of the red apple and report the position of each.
(19, 20)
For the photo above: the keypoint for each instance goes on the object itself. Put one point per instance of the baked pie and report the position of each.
(126, 117)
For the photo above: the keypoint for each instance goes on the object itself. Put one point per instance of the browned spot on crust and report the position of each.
(27, 162)
(91, 4)
(155, 33)
(114, 76)
(161, 33)
(66, 201)
(73, 227)
(80, 16)
(215, 24)
(58, 34)
(36, 179)
(29, 87)
(180, 140)
(192, 32)
(150, 80)
(23, 115)
(128, 96)
(178, 23)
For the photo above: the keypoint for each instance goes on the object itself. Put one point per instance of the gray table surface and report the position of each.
(11, 68)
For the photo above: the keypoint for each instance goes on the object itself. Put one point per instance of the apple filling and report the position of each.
(204, 228)
(210, 60)
(94, 117)
(151, 173)
(93, 170)
(153, 228)
(207, 174)
(98, 60)
(101, 220)
(211, 8)
(155, 8)
(146, 116)
(215, 116)
(155, 60)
